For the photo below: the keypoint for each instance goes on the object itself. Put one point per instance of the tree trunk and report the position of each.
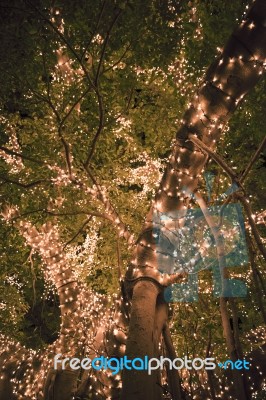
(260, 294)
(209, 372)
(232, 75)
(141, 342)
(173, 376)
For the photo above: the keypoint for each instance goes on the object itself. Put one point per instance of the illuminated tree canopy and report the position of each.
(114, 131)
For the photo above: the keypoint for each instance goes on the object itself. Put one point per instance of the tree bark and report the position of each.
(141, 342)
(173, 376)
(259, 291)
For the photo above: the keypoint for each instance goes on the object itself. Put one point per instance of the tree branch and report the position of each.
(110, 210)
(95, 30)
(24, 185)
(99, 129)
(65, 41)
(253, 160)
(79, 231)
(216, 157)
(252, 223)
(14, 153)
(99, 96)
(67, 151)
(105, 45)
(119, 263)
(73, 107)
(118, 61)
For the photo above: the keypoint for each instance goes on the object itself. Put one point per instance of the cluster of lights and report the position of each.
(15, 163)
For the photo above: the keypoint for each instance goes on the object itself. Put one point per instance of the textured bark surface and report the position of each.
(142, 342)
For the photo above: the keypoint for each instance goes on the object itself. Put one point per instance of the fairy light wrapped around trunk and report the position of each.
(233, 74)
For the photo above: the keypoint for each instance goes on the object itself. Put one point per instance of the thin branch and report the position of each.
(24, 185)
(94, 181)
(95, 30)
(94, 86)
(118, 61)
(86, 73)
(67, 151)
(46, 76)
(119, 263)
(259, 274)
(210, 373)
(26, 214)
(218, 238)
(216, 157)
(33, 277)
(129, 100)
(99, 96)
(43, 98)
(79, 231)
(65, 144)
(14, 153)
(49, 102)
(232, 345)
(73, 107)
(91, 213)
(65, 214)
(253, 160)
(122, 113)
(105, 45)
(260, 293)
(111, 212)
(234, 311)
(99, 129)
(65, 41)
(252, 223)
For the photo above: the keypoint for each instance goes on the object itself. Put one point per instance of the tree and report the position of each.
(92, 93)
